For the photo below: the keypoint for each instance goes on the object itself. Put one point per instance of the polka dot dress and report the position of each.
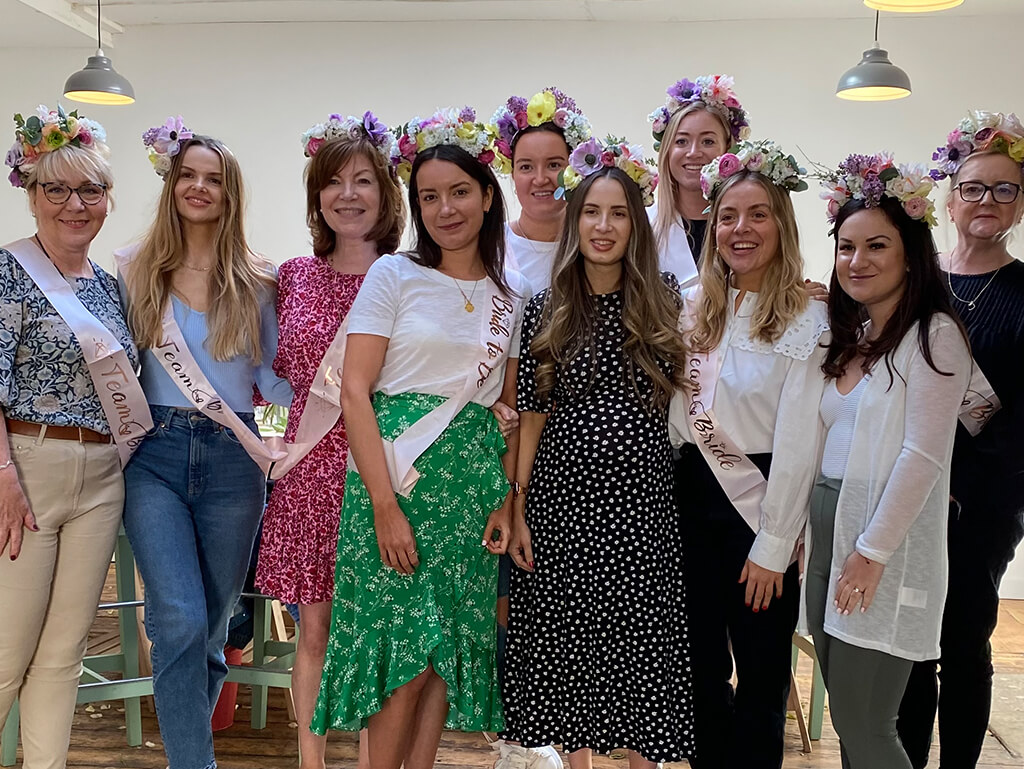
(598, 655)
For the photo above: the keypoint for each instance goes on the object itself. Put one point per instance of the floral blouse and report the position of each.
(43, 375)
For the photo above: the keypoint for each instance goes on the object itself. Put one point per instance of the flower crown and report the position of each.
(872, 177)
(716, 91)
(365, 127)
(592, 156)
(980, 131)
(763, 157)
(458, 128)
(46, 131)
(164, 142)
(548, 106)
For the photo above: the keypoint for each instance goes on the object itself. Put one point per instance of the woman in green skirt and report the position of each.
(432, 344)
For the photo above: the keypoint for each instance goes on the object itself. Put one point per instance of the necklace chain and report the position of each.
(468, 299)
(971, 303)
(188, 266)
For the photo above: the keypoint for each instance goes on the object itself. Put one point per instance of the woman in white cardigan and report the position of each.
(897, 367)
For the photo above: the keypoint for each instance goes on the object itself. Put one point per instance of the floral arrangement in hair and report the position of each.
(164, 142)
(46, 131)
(872, 177)
(548, 106)
(337, 127)
(763, 157)
(456, 127)
(980, 131)
(716, 91)
(593, 155)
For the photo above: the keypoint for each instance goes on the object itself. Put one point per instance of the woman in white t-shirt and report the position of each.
(898, 366)
(534, 140)
(432, 344)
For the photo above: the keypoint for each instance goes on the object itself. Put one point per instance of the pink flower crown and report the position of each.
(163, 142)
(763, 157)
(46, 131)
(980, 131)
(593, 155)
(872, 177)
(365, 127)
(716, 91)
(548, 106)
(451, 126)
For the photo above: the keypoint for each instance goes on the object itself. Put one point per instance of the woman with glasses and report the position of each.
(983, 158)
(61, 489)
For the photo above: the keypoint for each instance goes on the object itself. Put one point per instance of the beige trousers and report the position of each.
(49, 595)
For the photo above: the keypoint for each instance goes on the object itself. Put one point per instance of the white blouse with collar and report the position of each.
(766, 400)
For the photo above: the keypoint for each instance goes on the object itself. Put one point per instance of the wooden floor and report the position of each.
(98, 736)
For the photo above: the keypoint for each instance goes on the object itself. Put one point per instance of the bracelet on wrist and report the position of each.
(518, 490)
(5, 465)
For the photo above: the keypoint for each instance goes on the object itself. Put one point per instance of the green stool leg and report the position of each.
(817, 714)
(124, 569)
(9, 738)
(261, 632)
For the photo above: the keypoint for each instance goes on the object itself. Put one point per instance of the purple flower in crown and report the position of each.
(467, 115)
(561, 100)
(507, 128)
(150, 136)
(684, 90)
(517, 104)
(587, 157)
(170, 136)
(375, 129)
(873, 190)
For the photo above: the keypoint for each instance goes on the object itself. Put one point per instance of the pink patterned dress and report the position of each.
(300, 527)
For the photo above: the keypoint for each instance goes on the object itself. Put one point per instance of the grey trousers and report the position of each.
(865, 686)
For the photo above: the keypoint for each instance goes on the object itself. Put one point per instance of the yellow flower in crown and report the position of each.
(421, 141)
(466, 131)
(541, 108)
(53, 137)
(1017, 151)
(571, 178)
(634, 170)
(502, 164)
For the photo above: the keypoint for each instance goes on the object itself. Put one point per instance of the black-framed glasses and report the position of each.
(89, 193)
(1002, 192)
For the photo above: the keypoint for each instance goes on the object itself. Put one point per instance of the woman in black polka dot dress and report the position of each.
(597, 655)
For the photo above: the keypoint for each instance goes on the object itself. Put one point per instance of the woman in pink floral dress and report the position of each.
(355, 213)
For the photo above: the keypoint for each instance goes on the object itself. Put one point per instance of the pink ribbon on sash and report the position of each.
(495, 343)
(121, 396)
(980, 402)
(181, 366)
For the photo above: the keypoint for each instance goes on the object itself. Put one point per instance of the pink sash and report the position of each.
(980, 402)
(124, 404)
(177, 360)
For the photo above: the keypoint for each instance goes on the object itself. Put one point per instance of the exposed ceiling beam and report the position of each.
(69, 15)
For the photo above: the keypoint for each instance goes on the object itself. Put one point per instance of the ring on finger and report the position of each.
(857, 590)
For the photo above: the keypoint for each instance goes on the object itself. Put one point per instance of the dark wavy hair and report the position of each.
(426, 251)
(549, 127)
(924, 296)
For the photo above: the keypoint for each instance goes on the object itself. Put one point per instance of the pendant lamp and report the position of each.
(875, 78)
(912, 6)
(98, 82)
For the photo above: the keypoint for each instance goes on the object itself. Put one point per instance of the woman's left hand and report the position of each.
(816, 291)
(501, 521)
(857, 583)
(508, 418)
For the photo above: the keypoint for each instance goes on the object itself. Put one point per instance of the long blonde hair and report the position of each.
(240, 279)
(781, 296)
(668, 187)
(650, 309)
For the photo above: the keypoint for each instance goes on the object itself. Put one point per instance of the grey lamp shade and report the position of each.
(875, 78)
(99, 83)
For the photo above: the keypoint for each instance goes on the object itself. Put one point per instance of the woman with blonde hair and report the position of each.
(743, 479)
(598, 654)
(73, 411)
(699, 121)
(355, 213)
(201, 305)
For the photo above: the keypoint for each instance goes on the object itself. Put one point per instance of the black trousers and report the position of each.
(741, 728)
(981, 546)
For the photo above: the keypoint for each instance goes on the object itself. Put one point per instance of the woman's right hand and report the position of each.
(520, 547)
(395, 539)
(14, 512)
(508, 418)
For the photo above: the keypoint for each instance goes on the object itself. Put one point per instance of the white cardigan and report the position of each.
(895, 495)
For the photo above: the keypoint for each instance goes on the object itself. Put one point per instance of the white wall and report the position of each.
(259, 86)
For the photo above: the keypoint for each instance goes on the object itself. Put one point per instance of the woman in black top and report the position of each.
(986, 516)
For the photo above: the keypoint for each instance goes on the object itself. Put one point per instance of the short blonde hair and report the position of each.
(68, 160)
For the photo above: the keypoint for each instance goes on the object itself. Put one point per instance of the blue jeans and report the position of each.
(193, 502)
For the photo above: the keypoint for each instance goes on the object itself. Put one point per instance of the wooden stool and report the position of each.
(810, 728)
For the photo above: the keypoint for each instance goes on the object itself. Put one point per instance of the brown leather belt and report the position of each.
(80, 434)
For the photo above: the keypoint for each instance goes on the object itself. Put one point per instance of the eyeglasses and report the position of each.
(1002, 192)
(90, 194)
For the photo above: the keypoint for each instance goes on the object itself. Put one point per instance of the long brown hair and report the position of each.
(781, 297)
(240, 279)
(328, 160)
(650, 308)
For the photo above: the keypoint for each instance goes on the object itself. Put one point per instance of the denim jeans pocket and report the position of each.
(230, 435)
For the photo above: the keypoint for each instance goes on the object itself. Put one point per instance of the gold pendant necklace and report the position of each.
(468, 299)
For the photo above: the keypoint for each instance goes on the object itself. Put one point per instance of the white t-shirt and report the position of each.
(434, 343)
(533, 259)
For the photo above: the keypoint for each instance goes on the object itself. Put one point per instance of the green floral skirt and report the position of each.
(386, 627)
